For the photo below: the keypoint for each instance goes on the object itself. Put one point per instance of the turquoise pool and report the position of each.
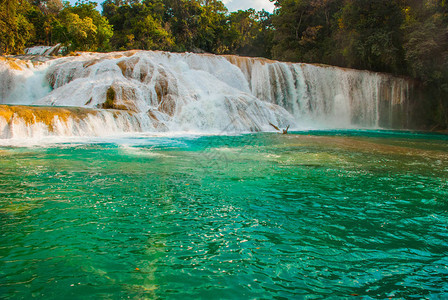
(318, 214)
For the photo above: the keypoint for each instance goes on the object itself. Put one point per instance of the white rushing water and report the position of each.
(164, 91)
(22, 82)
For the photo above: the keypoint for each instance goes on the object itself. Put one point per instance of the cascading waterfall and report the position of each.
(325, 96)
(150, 91)
(22, 82)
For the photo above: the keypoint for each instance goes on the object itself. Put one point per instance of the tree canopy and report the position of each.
(406, 37)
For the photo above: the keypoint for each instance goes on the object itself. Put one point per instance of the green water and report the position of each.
(309, 215)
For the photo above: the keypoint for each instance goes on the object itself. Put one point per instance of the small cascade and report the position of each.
(160, 91)
(37, 122)
(45, 50)
(22, 82)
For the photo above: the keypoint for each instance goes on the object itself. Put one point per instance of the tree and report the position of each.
(150, 35)
(179, 25)
(263, 42)
(104, 31)
(369, 35)
(211, 26)
(426, 53)
(426, 41)
(82, 27)
(15, 29)
(303, 30)
(138, 25)
(250, 33)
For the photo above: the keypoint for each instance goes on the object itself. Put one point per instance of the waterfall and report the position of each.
(22, 82)
(325, 96)
(152, 91)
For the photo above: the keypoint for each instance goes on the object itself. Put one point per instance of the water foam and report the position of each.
(163, 91)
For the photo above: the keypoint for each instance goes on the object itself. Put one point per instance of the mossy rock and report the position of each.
(110, 99)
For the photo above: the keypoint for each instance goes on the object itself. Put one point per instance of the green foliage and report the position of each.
(187, 25)
(79, 33)
(303, 30)
(82, 27)
(426, 43)
(174, 25)
(104, 30)
(407, 37)
(138, 26)
(250, 33)
(15, 29)
(369, 34)
(426, 48)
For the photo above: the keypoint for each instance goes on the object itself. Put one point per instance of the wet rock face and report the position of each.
(44, 115)
(182, 89)
(12, 63)
(110, 99)
(47, 118)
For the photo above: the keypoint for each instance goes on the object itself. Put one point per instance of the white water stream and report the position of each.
(161, 91)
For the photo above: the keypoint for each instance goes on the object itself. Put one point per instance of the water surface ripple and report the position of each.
(310, 215)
